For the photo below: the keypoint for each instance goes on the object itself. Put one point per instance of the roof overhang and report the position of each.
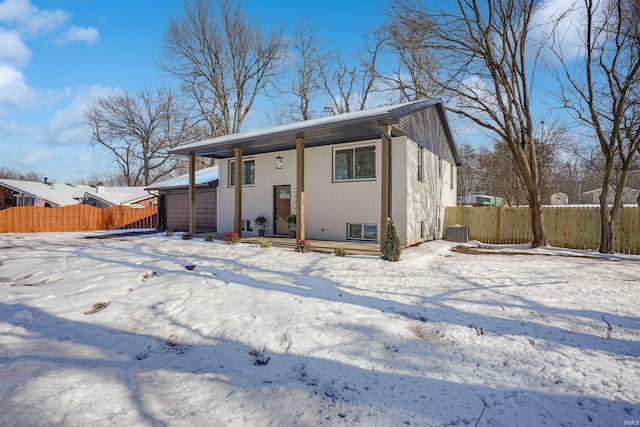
(358, 126)
(262, 142)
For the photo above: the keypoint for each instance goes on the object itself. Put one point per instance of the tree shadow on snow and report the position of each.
(332, 390)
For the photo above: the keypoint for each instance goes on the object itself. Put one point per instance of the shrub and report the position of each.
(340, 251)
(264, 243)
(303, 246)
(291, 222)
(391, 247)
(209, 238)
(261, 221)
(231, 238)
(187, 236)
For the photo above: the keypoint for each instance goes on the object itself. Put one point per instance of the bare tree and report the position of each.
(603, 91)
(486, 64)
(468, 173)
(222, 61)
(307, 62)
(107, 178)
(498, 175)
(137, 130)
(350, 83)
(414, 65)
(10, 173)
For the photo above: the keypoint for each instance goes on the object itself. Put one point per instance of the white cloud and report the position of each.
(19, 20)
(80, 34)
(562, 19)
(13, 51)
(31, 157)
(14, 91)
(68, 126)
(29, 19)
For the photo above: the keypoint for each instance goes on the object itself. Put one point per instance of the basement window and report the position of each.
(247, 225)
(358, 231)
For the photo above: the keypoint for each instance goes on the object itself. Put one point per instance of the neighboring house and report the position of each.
(101, 196)
(55, 195)
(630, 196)
(173, 201)
(26, 193)
(339, 174)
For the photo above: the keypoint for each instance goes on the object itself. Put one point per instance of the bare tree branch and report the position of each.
(602, 89)
(484, 67)
(137, 130)
(222, 61)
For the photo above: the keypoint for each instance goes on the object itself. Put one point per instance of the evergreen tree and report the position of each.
(391, 247)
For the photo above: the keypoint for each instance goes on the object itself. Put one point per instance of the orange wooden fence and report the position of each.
(32, 219)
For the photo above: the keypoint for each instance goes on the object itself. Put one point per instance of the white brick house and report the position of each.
(336, 174)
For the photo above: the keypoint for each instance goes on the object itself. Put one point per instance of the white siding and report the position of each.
(256, 199)
(399, 196)
(426, 200)
(331, 205)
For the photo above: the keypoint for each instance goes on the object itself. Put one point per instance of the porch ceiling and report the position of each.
(316, 133)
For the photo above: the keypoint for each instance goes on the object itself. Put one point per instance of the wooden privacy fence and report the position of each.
(566, 227)
(32, 219)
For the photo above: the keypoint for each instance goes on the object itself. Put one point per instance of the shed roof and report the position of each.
(349, 127)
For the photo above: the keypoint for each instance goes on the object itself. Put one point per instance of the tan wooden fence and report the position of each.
(31, 219)
(567, 227)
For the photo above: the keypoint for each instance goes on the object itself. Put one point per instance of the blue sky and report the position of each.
(56, 55)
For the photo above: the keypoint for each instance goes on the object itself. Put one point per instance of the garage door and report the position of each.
(177, 209)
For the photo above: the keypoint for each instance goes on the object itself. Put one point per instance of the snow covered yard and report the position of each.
(152, 330)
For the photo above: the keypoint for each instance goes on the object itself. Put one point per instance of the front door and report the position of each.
(282, 208)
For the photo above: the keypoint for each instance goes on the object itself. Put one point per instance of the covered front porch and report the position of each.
(323, 246)
(297, 138)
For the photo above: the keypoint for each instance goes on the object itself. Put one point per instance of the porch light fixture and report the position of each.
(279, 162)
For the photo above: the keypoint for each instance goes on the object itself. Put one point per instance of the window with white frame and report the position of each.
(356, 163)
(360, 231)
(247, 225)
(248, 172)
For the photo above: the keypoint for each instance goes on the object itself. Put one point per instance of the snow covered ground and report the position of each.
(154, 330)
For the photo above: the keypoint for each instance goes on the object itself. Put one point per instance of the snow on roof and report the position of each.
(56, 194)
(120, 195)
(308, 125)
(203, 177)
